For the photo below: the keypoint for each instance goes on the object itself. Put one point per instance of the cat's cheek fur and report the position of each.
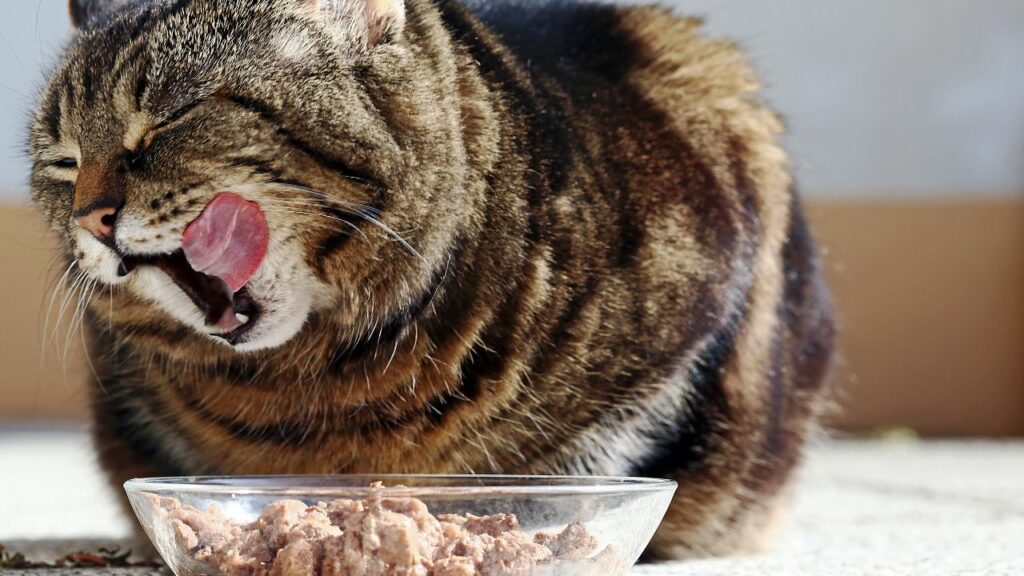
(287, 292)
(285, 305)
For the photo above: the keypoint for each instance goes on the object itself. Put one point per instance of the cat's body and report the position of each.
(616, 278)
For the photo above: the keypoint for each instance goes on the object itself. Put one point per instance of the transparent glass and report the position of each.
(621, 513)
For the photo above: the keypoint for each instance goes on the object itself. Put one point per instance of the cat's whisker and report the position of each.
(77, 296)
(69, 294)
(305, 209)
(65, 295)
(319, 197)
(84, 297)
(85, 343)
(54, 279)
(321, 203)
(394, 351)
(56, 289)
(358, 210)
(320, 215)
(110, 315)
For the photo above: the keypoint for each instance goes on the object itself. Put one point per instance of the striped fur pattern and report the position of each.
(505, 238)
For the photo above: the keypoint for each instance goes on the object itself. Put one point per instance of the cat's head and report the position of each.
(306, 154)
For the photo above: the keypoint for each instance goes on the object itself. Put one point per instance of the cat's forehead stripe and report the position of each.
(137, 126)
(51, 116)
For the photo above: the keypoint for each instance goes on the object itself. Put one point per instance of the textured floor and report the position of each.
(945, 509)
(863, 509)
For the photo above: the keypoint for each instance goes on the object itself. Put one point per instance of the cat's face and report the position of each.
(318, 130)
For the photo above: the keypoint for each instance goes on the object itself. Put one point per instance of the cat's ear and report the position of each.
(85, 11)
(375, 20)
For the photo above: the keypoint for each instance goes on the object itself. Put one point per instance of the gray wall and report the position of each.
(31, 35)
(884, 98)
(891, 97)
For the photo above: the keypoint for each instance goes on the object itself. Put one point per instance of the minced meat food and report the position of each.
(374, 537)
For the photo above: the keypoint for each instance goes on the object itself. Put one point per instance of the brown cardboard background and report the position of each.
(931, 304)
(33, 386)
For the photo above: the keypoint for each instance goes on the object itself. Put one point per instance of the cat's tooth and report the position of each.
(242, 318)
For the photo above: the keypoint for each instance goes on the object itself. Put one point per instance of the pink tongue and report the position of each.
(228, 240)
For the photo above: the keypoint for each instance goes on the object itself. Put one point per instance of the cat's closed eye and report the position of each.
(179, 113)
(138, 150)
(66, 164)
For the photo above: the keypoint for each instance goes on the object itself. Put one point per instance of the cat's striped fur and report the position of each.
(612, 272)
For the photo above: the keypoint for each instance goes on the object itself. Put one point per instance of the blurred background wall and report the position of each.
(907, 130)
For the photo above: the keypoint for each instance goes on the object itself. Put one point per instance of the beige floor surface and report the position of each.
(862, 509)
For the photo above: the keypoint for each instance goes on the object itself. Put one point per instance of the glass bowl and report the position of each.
(618, 515)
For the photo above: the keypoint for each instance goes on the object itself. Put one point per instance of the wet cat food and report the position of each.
(375, 537)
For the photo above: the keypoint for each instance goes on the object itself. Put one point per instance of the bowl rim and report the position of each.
(483, 484)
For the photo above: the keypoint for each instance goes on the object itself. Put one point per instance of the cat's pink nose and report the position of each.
(99, 222)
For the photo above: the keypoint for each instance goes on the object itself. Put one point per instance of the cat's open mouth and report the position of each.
(230, 314)
(221, 251)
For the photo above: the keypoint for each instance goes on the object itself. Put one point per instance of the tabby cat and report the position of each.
(360, 236)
